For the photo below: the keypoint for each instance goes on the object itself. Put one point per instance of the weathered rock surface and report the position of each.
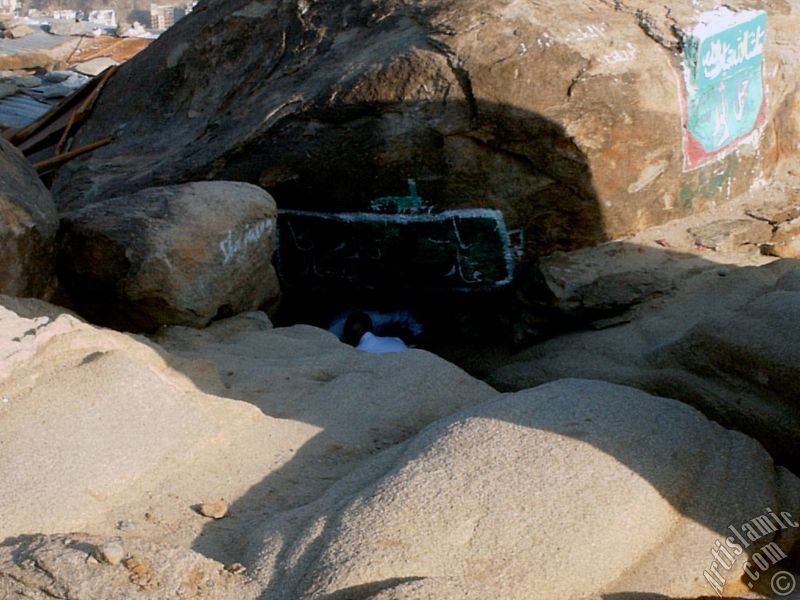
(359, 402)
(92, 420)
(28, 226)
(565, 116)
(605, 279)
(732, 236)
(787, 247)
(179, 255)
(784, 217)
(522, 495)
(27, 324)
(727, 344)
(110, 434)
(333, 488)
(61, 566)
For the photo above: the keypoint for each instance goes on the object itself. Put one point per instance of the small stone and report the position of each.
(110, 553)
(141, 573)
(236, 568)
(214, 510)
(126, 525)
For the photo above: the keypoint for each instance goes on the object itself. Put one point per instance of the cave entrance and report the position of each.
(450, 269)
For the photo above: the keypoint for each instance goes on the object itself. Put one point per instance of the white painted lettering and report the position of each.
(233, 245)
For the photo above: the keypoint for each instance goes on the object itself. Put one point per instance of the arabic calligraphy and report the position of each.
(721, 56)
(724, 83)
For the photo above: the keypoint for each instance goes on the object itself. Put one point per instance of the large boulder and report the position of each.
(574, 489)
(28, 226)
(566, 116)
(178, 255)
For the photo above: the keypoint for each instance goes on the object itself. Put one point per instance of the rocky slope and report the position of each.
(348, 475)
(725, 343)
(248, 411)
(246, 461)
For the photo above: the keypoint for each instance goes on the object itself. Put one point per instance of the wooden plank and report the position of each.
(59, 160)
(106, 51)
(83, 111)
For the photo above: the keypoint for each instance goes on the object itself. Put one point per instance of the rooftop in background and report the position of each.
(32, 43)
(118, 49)
(29, 103)
(20, 110)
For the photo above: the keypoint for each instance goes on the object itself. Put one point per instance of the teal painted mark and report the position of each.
(708, 183)
(725, 98)
(458, 250)
(411, 204)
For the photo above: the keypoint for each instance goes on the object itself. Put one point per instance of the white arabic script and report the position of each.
(722, 57)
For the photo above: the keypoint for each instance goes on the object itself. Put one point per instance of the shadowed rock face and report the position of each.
(565, 116)
(28, 225)
(726, 345)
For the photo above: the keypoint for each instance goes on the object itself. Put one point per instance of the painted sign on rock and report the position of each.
(457, 250)
(724, 83)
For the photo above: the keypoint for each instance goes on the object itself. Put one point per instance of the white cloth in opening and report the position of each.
(379, 320)
(381, 345)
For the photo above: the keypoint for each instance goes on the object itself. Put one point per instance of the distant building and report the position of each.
(164, 17)
(106, 17)
(8, 6)
(64, 15)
